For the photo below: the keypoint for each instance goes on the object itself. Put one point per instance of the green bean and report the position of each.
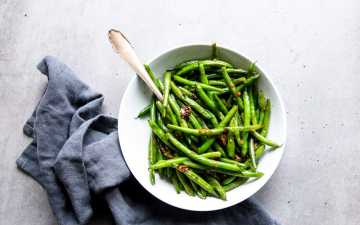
(169, 115)
(175, 181)
(261, 100)
(188, 68)
(193, 165)
(218, 148)
(243, 173)
(257, 114)
(259, 152)
(230, 147)
(176, 109)
(228, 116)
(213, 119)
(193, 185)
(159, 158)
(251, 69)
(205, 113)
(213, 76)
(183, 64)
(239, 164)
(228, 180)
(160, 85)
(217, 186)
(264, 140)
(247, 82)
(150, 72)
(180, 160)
(247, 117)
(207, 100)
(145, 111)
(186, 92)
(252, 107)
(236, 71)
(261, 117)
(159, 133)
(239, 80)
(200, 119)
(252, 153)
(153, 111)
(203, 77)
(152, 76)
(266, 121)
(160, 122)
(235, 184)
(185, 183)
(192, 176)
(206, 145)
(211, 155)
(159, 105)
(212, 132)
(202, 193)
(194, 83)
(194, 121)
(152, 157)
(168, 163)
(198, 158)
(187, 114)
(237, 132)
(232, 88)
(220, 104)
(221, 83)
(167, 80)
(215, 63)
(217, 83)
(177, 92)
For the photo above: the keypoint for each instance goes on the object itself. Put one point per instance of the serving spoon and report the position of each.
(123, 48)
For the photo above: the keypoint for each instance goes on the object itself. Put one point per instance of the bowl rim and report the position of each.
(281, 104)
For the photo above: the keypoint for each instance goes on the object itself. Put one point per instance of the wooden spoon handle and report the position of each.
(122, 46)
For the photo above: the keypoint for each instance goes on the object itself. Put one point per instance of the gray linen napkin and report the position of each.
(75, 156)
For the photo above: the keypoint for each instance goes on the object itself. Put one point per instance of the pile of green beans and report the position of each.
(210, 130)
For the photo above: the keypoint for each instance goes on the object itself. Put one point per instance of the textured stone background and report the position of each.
(310, 48)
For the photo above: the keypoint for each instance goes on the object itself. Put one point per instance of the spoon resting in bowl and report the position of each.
(123, 48)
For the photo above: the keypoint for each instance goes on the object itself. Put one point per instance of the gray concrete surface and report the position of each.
(310, 48)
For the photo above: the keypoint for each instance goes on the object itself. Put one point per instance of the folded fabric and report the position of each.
(75, 156)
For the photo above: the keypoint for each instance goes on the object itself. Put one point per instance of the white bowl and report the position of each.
(134, 133)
